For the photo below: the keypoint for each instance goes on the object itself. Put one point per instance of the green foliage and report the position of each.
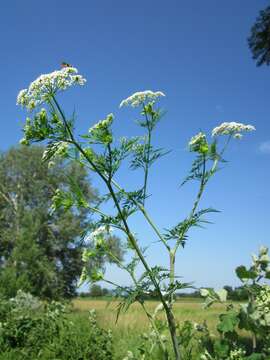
(253, 316)
(180, 231)
(259, 39)
(212, 296)
(40, 250)
(97, 291)
(32, 330)
(239, 293)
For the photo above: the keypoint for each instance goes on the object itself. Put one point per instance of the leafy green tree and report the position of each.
(40, 250)
(97, 291)
(259, 39)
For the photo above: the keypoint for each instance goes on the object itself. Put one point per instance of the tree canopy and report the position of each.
(259, 39)
(40, 250)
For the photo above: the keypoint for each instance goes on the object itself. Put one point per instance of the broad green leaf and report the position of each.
(244, 274)
(221, 349)
(228, 322)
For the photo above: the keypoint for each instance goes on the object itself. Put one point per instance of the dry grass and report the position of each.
(135, 318)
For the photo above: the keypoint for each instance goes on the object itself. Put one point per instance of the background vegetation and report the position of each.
(40, 261)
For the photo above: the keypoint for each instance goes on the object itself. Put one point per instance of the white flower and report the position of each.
(231, 128)
(102, 124)
(48, 84)
(101, 231)
(22, 97)
(197, 139)
(238, 136)
(262, 300)
(237, 354)
(141, 97)
(61, 150)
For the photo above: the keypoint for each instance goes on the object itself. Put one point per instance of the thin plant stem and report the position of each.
(147, 144)
(144, 212)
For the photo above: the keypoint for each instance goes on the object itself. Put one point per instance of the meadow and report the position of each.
(131, 325)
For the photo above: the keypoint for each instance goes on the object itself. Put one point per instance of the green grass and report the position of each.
(133, 323)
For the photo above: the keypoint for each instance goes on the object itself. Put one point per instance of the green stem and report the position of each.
(172, 266)
(147, 144)
(144, 212)
(196, 203)
(169, 314)
(150, 318)
(97, 211)
(77, 145)
(197, 200)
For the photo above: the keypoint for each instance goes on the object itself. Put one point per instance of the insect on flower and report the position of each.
(65, 65)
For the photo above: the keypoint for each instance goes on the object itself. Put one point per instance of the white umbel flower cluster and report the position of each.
(232, 128)
(48, 84)
(197, 139)
(141, 97)
(263, 300)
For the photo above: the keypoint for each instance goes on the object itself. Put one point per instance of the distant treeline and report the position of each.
(234, 294)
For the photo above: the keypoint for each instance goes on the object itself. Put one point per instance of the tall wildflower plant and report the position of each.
(98, 151)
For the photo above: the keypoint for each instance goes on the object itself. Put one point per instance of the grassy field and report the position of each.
(127, 331)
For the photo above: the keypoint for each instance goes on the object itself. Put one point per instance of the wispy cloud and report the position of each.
(264, 147)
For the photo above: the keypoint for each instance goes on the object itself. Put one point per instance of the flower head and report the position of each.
(98, 233)
(262, 300)
(100, 132)
(198, 143)
(102, 124)
(238, 136)
(232, 128)
(197, 139)
(48, 84)
(141, 97)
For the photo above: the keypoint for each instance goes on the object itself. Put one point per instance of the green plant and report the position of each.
(253, 316)
(98, 151)
(32, 330)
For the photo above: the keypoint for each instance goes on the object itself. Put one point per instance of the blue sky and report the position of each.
(195, 52)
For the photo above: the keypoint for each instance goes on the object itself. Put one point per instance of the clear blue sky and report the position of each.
(194, 51)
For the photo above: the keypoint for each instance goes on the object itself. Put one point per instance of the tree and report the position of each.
(229, 290)
(259, 39)
(97, 291)
(40, 250)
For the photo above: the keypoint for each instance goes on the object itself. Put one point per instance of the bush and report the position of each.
(31, 330)
(252, 317)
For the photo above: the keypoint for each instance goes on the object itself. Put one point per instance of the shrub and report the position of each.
(253, 317)
(32, 330)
